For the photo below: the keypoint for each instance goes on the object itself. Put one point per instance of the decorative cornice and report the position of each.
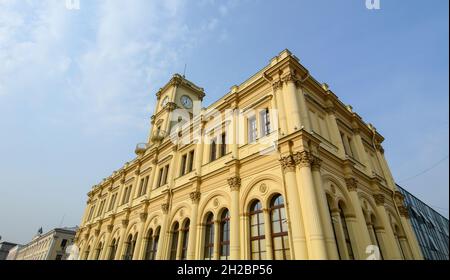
(302, 159)
(195, 196)
(287, 163)
(234, 183)
(352, 184)
(403, 210)
(379, 199)
(165, 208)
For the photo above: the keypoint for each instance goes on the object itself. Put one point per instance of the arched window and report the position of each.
(152, 244)
(98, 251)
(374, 234)
(185, 239)
(225, 235)
(174, 242)
(130, 244)
(348, 242)
(397, 240)
(279, 229)
(335, 224)
(257, 236)
(86, 253)
(209, 237)
(113, 249)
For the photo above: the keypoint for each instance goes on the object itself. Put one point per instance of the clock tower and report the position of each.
(178, 93)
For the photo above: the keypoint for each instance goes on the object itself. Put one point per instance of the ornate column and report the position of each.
(292, 108)
(137, 255)
(235, 185)
(385, 168)
(315, 237)
(106, 248)
(163, 233)
(407, 228)
(195, 198)
(277, 92)
(199, 150)
(123, 231)
(323, 209)
(363, 157)
(335, 134)
(304, 112)
(361, 235)
(392, 250)
(295, 212)
(136, 184)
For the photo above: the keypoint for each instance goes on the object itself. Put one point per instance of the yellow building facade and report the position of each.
(278, 168)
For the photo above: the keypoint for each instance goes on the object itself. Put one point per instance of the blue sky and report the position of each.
(77, 86)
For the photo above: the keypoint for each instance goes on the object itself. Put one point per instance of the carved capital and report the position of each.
(330, 110)
(316, 162)
(352, 184)
(379, 199)
(109, 228)
(165, 208)
(403, 210)
(277, 85)
(303, 159)
(380, 148)
(125, 222)
(290, 78)
(234, 183)
(195, 197)
(143, 217)
(287, 163)
(171, 106)
(96, 232)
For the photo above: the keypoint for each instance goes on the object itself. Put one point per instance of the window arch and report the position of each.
(224, 235)
(280, 238)
(257, 236)
(86, 253)
(347, 239)
(397, 240)
(209, 237)
(152, 244)
(98, 251)
(130, 245)
(374, 234)
(185, 238)
(174, 243)
(113, 249)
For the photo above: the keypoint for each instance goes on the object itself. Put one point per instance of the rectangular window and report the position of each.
(165, 173)
(265, 122)
(112, 202)
(100, 209)
(213, 150)
(183, 165)
(91, 212)
(252, 130)
(223, 146)
(191, 161)
(160, 176)
(144, 188)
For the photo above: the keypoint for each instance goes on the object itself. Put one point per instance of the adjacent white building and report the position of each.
(48, 246)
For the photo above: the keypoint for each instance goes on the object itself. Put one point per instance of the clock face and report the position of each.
(186, 101)
(164, 102)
